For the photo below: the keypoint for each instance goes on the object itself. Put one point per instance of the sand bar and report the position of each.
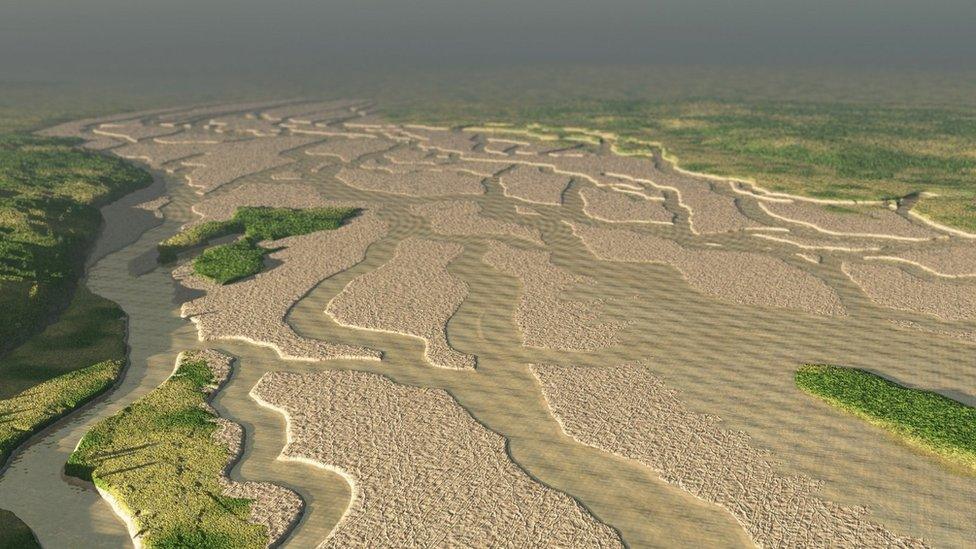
(424, 473)
(254, 309)
(413, 183)
(617, 207)
(950, 262)
(348, 149)
(413, 294)
(464, 218)
(876, 221)
(745, 278)
(629, 411)
(274, 506)
(544, 317)
(533, 184)
(889, 286)
(230, 161)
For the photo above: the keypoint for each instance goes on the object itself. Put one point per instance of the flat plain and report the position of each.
(537, 367)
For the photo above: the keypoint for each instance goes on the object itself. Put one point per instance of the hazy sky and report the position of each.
(53, 39)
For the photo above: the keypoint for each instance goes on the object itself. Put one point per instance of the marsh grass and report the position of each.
(159, 460)
(71, 362)
(50, 192)
(230, 262)
(91, 330)
(923, 419)
(33, 409)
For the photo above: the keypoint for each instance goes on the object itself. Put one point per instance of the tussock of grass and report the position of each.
(921, 418)
(262, 223)
(230, 262)
(193, 237)
(30, 411)
(158, 459)
(258, 223)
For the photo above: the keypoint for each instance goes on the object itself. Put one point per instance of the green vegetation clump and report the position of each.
(243, 258)
(14, 534)
(923, 419)
(193, 237)
(91, 330)
(30, 411)
(823, 150)
(229, 262)
(50, 192)
(158, 459)
(263, 223)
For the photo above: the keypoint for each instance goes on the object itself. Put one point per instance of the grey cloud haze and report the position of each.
(48, 38)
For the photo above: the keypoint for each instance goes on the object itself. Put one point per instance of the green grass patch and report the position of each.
(923, 419)
(50, 192)
(14, 534)
(30, 411)
(243, 258)
(91, 330)
(194, 237)
(71, 362)
(262, 223)
(229, 262)
(158, 459)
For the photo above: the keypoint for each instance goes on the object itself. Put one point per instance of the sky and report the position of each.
(66, 39)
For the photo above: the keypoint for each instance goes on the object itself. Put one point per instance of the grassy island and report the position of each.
(923, 419)
(71, 362)
(243, 258)
(60, 345)
(159, 460)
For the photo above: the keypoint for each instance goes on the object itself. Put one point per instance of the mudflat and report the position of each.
(597, 345)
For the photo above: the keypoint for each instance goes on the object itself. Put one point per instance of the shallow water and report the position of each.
(730, 361)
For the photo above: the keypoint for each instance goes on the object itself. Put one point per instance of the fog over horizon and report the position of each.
(71, 40)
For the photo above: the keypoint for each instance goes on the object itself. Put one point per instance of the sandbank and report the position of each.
(254, 309)
(738, 277)
(413, 294)
(628, 411)
(430, 475)
(616, 207)
(544, 317)
(464, 218)
(889, 286)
